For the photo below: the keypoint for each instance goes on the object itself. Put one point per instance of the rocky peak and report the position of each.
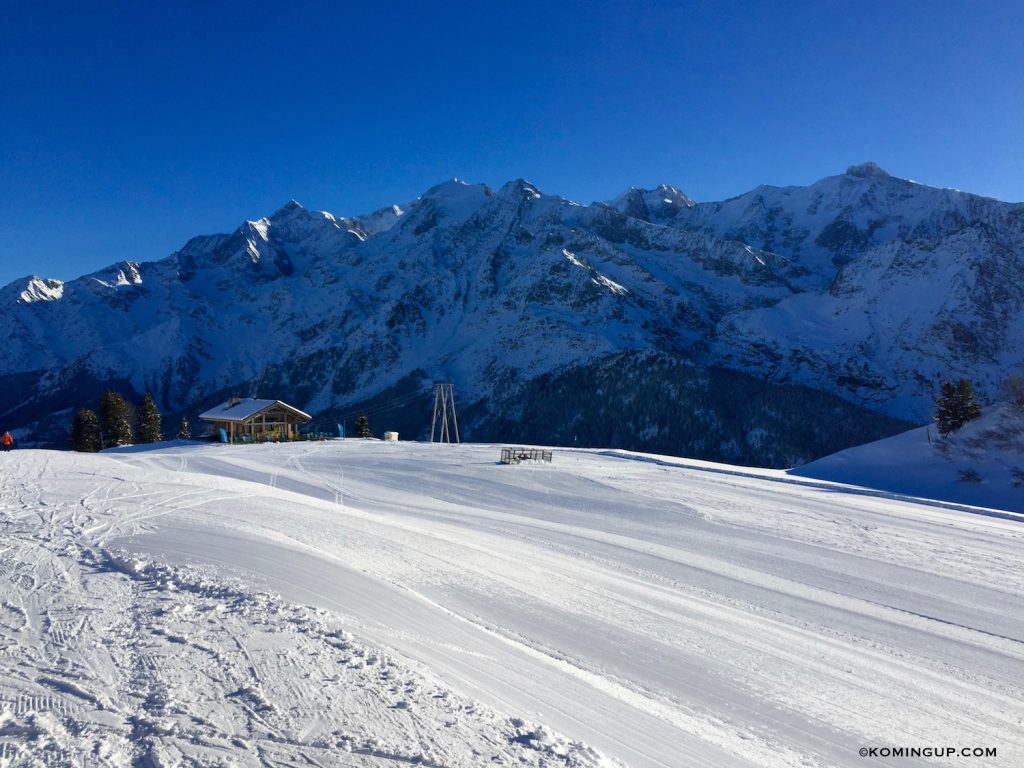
(656, 205)
(520, 188)
(451, 202)
(32, 289)
(290, 211)
(867, 170)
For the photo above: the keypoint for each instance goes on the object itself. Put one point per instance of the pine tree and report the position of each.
(971, 408)
(363, 426)
(150, 426)
(114, 419)
(955, 406)
(184, 433)
(946, 418)
(85, 431)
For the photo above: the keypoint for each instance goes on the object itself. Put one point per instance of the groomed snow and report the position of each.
(359, 603)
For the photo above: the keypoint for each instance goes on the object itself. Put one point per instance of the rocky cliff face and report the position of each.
(863, 287)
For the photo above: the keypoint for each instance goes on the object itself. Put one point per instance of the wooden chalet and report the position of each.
(249, 420)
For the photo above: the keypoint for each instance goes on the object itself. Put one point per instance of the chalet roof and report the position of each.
(240, 409)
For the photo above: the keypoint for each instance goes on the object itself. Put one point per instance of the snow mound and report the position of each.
(982, 464)
(573, 754)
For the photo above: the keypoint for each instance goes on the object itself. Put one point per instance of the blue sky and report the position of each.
(126, 128)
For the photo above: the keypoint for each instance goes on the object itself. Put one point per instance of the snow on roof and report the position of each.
(242, 408)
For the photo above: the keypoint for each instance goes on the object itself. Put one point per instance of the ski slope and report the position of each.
(359, 603)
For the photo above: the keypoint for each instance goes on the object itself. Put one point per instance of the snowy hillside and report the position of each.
(362, 603)
(862, 287)
(980, 464)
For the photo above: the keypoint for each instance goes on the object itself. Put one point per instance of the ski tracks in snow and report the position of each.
(749, 615)
(666, 615)
(110, 659)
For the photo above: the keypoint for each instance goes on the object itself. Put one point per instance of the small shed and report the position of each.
(250, 420)
(391, 437)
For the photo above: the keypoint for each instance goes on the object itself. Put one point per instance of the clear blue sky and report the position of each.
(126, 128)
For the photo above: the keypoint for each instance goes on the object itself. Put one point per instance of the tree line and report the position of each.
(118, 422)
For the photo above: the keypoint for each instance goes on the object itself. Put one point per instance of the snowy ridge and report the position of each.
(39, 289)
(863, 285)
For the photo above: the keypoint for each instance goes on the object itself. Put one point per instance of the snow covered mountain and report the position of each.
(664, 316)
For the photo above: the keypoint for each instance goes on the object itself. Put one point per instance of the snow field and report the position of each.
(361, 603)
(113, 659)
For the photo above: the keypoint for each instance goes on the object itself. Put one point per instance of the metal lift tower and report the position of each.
(444, 401)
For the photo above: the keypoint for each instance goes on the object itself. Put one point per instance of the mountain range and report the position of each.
(770, 328)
